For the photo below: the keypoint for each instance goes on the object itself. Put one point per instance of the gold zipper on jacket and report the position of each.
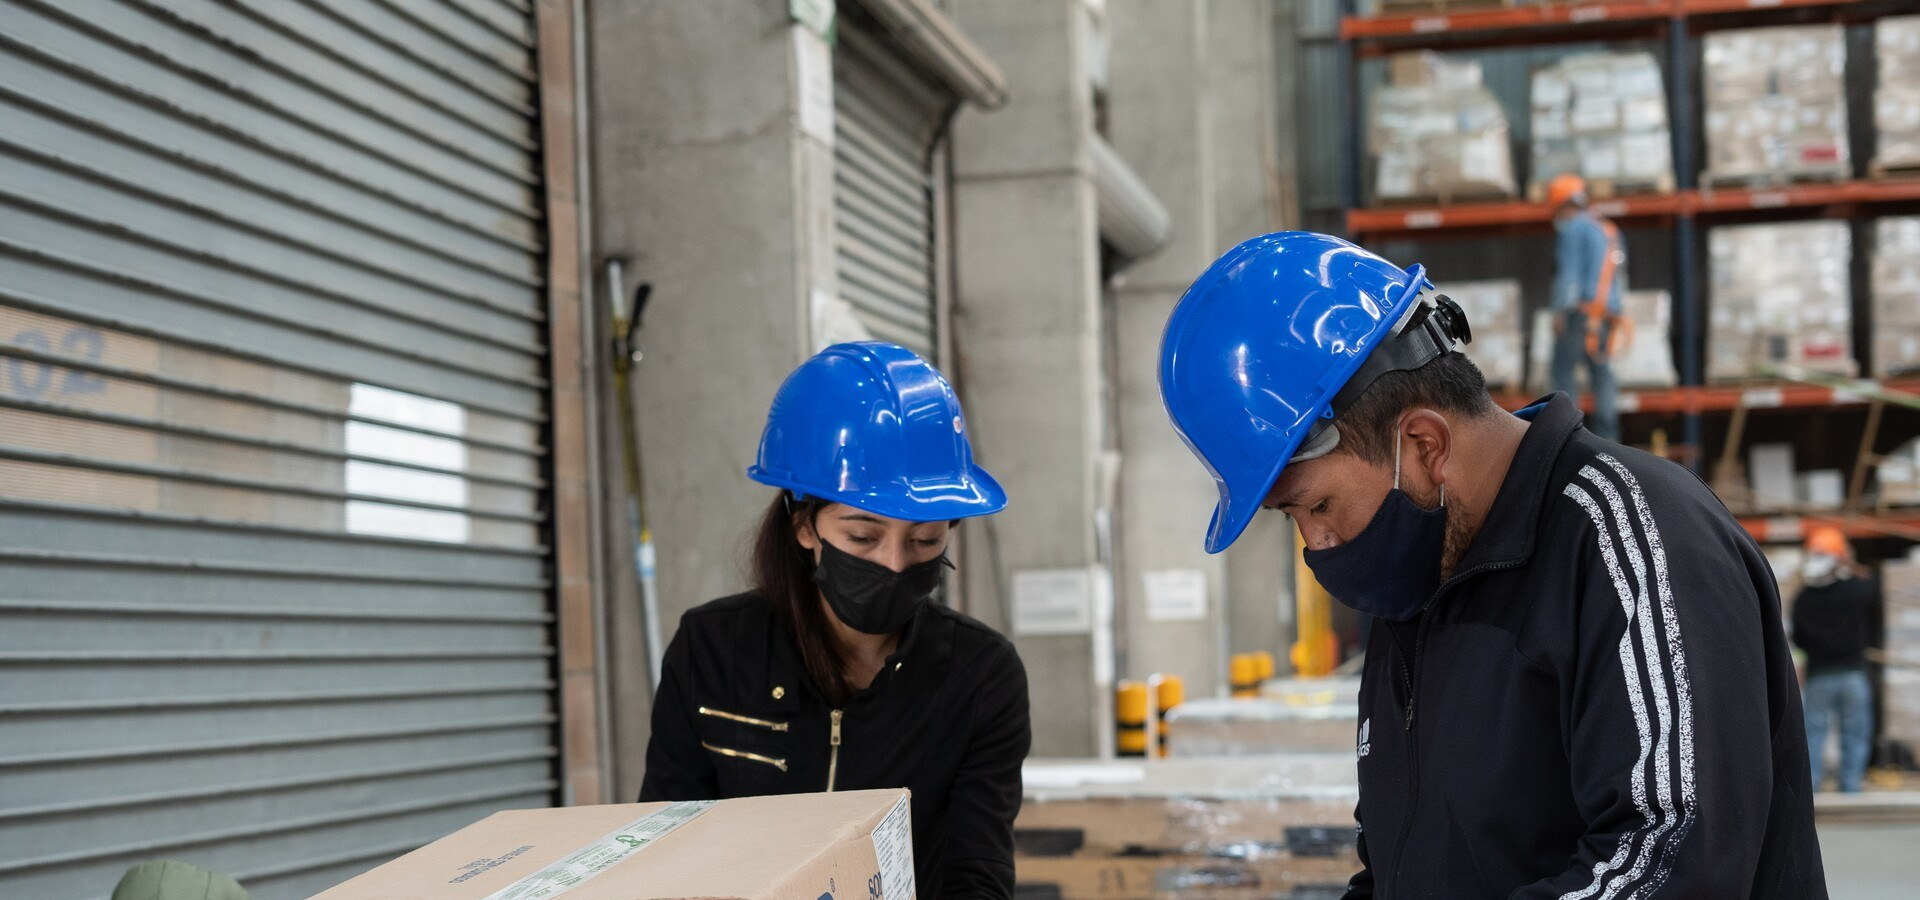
(833, 759)
(780, 764)
(744, 720)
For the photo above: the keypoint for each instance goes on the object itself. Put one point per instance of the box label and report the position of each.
(893, 847)
(603, 854)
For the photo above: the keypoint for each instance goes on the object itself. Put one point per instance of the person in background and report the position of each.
(1589, 278)
(1837, 622)
(839, 670)
(1578, 685)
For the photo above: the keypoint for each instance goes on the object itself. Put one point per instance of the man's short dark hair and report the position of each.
(1451, 384)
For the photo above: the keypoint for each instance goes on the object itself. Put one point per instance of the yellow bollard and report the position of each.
(1264, 665)
(1318, 649)
(1130, 718)
(1170, 691)
(1243, 675)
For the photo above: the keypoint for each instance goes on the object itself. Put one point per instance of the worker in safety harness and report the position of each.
(1589, 279)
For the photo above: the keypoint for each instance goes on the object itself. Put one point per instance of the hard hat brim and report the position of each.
(977, 494)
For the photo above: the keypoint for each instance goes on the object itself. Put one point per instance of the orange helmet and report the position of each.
(1565, 188)
(1827, 540)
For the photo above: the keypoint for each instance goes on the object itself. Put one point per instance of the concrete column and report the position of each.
(1160, 118)
(1027, 341)
(712, 187)
(1190, 107)
(1254, 192)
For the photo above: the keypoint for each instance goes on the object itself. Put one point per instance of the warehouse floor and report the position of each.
(1871, 860)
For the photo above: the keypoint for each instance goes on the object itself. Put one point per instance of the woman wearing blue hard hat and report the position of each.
(839, 670)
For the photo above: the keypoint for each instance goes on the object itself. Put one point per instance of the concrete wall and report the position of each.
(1027, 339)
(706, 185)
(1190, 105)
(1160, 118)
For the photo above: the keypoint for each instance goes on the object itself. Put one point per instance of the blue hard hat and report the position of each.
(873, 426)
(1263, 342)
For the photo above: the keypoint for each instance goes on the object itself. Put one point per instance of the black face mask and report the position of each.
(1392, 566)
(872, 598)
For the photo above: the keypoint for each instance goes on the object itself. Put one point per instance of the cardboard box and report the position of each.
(1897, 477)
(1648, 360)
(1771, 468)
(852, 844)
(1822, 489)
(1780, 295)
(1776, 102)
(1900, 587)
(1299, 803)
(1493, 310)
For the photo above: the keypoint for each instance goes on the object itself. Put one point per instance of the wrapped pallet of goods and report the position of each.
(1437, 133)
(1776, 104)
(1602, 116)
(1895, 287)
(1645, 362)
(1896, 99)
(1285, 718)
(1493, 308)
(1900, 586)
(1780, 296)
(1241, 829)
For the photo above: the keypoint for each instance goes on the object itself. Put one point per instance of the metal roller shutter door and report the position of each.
(273, 578)
(886, 115)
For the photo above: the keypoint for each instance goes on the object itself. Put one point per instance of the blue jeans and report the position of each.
(1845, 696)
(1570, 350)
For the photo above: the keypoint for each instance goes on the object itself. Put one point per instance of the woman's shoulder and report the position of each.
(974, 638)
(726, 615)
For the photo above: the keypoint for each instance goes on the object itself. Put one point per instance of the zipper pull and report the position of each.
(1409, 715)
(835, 739)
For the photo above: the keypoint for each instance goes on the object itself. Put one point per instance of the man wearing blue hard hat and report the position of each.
(838, 670)
(1576, 684)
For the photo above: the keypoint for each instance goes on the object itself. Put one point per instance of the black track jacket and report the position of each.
(1599, 703)
(737, 716)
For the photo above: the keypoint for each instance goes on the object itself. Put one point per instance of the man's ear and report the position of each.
(1428, 438)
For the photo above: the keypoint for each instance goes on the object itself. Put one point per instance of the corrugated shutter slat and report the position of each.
(274, 574)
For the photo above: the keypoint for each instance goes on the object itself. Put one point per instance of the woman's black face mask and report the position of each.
(870, 597)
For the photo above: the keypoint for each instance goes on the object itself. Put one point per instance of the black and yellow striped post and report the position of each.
(1130, 718)
(1169, 691)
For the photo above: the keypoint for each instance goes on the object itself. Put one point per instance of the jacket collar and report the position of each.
(1507, 535)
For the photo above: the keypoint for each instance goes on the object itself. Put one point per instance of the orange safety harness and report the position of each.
(1602, 322)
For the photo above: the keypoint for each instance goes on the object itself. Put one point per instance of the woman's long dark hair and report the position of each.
(783, 574)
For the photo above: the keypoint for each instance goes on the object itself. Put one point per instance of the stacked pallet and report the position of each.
(1493, 310)
(1776, 104)
(1303, 716)
(1602, 116)
(1437, 133)
(1896, 101)
(1900, 586)
(1780, 296)
(1895, 286)
(1239, 829)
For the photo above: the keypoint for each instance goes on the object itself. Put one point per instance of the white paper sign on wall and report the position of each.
(1052, 601)
(1175, 595)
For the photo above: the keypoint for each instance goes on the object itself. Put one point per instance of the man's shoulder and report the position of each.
(1601, 483)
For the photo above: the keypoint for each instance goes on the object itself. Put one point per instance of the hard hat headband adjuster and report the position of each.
(1435, 327)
